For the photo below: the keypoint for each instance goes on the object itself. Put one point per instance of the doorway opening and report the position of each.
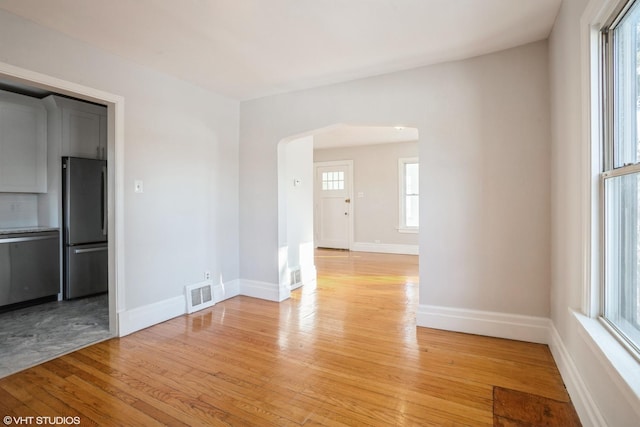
(74, 314)
(341, 188)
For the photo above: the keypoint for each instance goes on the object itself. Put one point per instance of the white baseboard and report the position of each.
(136, 319)
(523, 328)
(226, 290)
(130, 321)
(493, 324)
(133, 320)
(385, 248)
(263, 290)
(580, 397)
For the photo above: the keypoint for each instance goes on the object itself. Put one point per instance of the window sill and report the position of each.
(624, 366)
(408, 230)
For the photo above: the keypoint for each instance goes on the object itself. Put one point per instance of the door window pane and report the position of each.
(333, 180)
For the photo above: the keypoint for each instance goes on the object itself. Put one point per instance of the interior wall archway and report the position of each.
(296, 192)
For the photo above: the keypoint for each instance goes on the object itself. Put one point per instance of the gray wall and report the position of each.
(180, 139)
(295, 227)
(484, 152)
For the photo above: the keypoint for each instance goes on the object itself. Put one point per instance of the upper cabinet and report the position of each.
(81, 127)
(23, 144)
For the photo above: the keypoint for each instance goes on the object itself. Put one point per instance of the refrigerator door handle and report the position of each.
(26, 239)
(104, 200)
(85, 251)
(67, 199)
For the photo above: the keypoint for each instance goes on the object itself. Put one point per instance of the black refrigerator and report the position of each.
(84, 214)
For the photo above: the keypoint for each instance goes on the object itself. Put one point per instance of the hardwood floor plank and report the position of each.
(278, 401)
(343, 352)
(106, 386)
(160, 416)
(120, 412)
(7, 401)
(511, 406)
(38, 399)
(144, 399)
(62, 390)
(386, 406)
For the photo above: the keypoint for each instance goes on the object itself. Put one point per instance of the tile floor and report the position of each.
(33, 335)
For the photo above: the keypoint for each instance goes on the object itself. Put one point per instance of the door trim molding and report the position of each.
(115, 157)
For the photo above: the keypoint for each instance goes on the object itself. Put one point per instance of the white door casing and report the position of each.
(333, 204)
(115, 156)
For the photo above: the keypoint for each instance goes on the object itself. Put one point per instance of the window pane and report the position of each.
(626, 96)
(412, 212)
(412, 180)
(332, 181)
(622, 254)
(409, 193)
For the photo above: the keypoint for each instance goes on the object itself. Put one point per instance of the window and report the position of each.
(333, 180)
(621, 175)
(409, 194)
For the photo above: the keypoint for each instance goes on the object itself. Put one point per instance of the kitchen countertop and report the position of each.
(32, 229)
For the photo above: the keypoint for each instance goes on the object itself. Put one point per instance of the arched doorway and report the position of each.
(379, 152)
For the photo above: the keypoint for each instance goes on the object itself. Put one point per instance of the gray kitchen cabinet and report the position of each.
(29, 266)
(80, 127)
(23, 144)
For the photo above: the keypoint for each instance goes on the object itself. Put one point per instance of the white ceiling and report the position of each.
(246, 49)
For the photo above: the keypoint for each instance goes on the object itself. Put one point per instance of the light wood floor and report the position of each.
(344, 352)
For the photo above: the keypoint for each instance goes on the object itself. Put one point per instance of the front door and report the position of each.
(333, 211)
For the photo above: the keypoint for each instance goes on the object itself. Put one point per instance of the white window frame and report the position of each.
(602, 169)
(403, 227)
(619, 363)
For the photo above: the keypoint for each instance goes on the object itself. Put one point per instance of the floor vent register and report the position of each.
(199, 296)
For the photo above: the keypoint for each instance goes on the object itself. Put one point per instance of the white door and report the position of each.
(333, 204)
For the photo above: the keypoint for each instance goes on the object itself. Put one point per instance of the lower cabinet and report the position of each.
(29, 266)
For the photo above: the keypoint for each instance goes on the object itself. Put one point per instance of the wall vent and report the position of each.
(199, 296)
(296, 278)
